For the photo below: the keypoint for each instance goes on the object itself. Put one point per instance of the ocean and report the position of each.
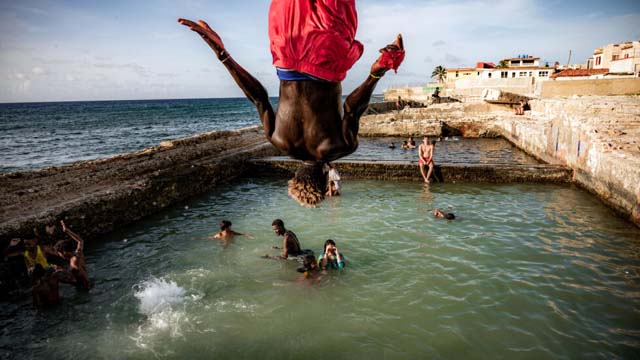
(38, 135)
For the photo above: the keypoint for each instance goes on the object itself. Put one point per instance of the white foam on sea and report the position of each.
(163, 303)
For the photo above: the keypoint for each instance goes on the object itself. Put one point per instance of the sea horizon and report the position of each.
(141, 100)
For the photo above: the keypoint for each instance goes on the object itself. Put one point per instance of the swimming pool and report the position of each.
(527, 271)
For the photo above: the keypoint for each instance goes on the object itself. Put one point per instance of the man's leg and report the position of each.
(356, 103)
(252, 88)
(424, 176)
(430, 171)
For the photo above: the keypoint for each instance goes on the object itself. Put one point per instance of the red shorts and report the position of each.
(424, 161)
(318, 39)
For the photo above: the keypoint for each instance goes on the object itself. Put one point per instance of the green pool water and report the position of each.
(525, 272)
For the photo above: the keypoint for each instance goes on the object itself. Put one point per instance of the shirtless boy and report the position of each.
(425, 158)
(77, 263)
(227, 233)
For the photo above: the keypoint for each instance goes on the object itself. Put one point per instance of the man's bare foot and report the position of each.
(391, 58)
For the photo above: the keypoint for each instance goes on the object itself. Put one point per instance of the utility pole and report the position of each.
(569, 61)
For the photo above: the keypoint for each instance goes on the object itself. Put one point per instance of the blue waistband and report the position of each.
(291, 75)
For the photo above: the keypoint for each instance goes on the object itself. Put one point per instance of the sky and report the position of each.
(62, 50)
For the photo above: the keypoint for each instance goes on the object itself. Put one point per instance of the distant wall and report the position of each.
(599, 87)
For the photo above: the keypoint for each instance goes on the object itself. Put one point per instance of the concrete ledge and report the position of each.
(94, 197)
(387, 170)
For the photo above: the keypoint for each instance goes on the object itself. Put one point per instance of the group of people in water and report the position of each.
(48, 266)
(331, 258)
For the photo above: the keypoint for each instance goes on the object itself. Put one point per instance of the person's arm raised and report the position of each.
(357, 102)
(252, 88)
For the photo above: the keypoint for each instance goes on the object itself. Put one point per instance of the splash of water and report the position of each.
(162, 302)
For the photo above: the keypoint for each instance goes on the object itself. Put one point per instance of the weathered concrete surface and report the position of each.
(402, 170)
(96, 196)
(470, 120)
(597, 136)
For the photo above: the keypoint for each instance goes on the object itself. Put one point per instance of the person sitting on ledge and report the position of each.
(440, 214)
(425, 158)
(520, 108)
(313, 45)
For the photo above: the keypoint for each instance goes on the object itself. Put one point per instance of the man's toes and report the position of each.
(398, 41)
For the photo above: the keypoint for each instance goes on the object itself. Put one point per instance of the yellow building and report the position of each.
(455, 74)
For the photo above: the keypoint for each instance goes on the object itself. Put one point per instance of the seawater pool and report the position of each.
(526, 271)
(450, 150)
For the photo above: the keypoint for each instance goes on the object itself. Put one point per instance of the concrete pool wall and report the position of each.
(596, 137)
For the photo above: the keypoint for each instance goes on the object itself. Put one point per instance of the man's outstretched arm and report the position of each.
(253, 90)
(357, 102)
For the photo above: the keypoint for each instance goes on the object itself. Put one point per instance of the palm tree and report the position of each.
(502, 65)
(439, 73)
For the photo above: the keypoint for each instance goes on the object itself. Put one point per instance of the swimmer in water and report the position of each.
(226, 233)
(290, 243)
(313, 46)
(440, 214)
(331, 257)
(310, 270)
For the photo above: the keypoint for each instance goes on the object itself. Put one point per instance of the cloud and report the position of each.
(37, 70)
(69, 77)
(428, 59)
(438, 43)
(452, 58)
(18, 76)
(136, 68)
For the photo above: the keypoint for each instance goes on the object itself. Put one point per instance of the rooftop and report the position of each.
(579, 72)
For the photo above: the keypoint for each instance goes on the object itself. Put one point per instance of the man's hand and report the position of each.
(210, 36)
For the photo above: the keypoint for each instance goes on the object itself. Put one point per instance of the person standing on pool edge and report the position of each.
(313, 45)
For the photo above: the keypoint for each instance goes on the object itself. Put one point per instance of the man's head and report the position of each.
(449, 216)
(224, 225)
(426, 140)
(278, 227)
(308, 183)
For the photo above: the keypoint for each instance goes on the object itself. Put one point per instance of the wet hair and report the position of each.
(308, 183)
(326, 243)
(307, 263)
(225, 224)
(449, 216)
(277, 222)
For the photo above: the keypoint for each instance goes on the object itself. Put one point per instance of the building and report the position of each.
(523, 66)
(521, 75)
(621, 58)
